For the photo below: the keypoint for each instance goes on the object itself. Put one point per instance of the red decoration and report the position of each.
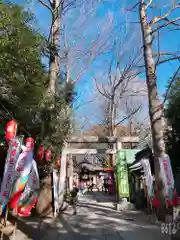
(58, 164)
(22, 213)
(48, 155)
(173, 202)
(40, 153)
(25, 211)
(11, 130)
(14, 201)
(30, 143)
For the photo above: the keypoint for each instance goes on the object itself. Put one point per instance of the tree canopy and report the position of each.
(24, 81)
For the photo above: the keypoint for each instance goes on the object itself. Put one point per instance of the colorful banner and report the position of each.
(22, 170)
(167, 175)
(8, 178)
(147, 173)
(30, 194)
(122, 175)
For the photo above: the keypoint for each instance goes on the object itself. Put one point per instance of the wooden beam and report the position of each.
(129, 139)
(80, 151)
(96, 139)
(92, 139)
(88, 151)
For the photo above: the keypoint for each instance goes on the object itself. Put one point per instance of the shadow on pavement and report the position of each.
(91, 223)
(100, 197)
(5, 237)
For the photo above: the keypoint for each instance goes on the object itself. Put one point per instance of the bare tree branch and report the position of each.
(46, 5)
(103, 92)
(148, 4)
(168, 22)
(130, 115)
(157, 19)
(83, 104)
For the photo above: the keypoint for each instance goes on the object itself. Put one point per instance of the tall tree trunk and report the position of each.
(70, 159)
(155, 106)
(54, 70)
(55, 38)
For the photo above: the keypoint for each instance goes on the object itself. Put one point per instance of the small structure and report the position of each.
(138, 196)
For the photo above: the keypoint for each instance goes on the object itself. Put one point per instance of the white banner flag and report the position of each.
(55, 190)
(22, 169)
(167, 175)
(148, 175)
(8, 177)
(32, 185)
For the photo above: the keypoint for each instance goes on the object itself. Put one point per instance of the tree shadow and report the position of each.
(100, 196)
(5, 237)
(91, 222)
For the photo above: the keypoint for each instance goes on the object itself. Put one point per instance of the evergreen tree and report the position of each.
(173, 117)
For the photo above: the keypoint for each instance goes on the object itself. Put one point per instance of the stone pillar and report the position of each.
(118, 145)
(62, 178)
(70, 172)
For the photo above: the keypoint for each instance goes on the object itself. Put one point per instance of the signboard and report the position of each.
(122, 175)
(147, 173)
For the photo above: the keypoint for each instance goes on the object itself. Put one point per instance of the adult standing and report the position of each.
(110, 185)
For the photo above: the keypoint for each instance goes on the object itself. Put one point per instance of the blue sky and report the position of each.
(169, 41)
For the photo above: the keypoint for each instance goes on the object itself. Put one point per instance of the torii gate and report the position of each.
(113, 142)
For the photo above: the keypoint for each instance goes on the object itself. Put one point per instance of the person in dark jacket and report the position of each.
(105, 185)
(74, 194)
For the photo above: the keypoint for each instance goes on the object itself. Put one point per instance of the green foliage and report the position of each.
(173, 116)
(24, 82)
(22, 76)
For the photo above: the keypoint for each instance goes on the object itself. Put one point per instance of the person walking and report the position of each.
(110, 185)
(105, 185)
(74, 198)
(81, 187)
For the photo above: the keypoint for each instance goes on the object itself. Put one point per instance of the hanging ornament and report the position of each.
(40, 153)
(30, 143)
(11, 130)
(48, 155)
(58, 163)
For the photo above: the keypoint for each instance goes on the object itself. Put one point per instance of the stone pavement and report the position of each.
(94, 221)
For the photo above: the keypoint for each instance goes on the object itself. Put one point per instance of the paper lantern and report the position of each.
(11, 130)
(58, 164)
(30, 143)
(48, 155)
(40, 153)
